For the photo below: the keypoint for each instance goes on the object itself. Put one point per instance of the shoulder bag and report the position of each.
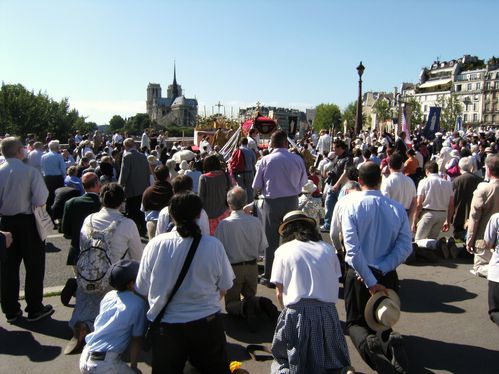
(154, 326)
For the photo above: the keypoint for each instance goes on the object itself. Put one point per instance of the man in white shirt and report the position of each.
(435, 202)
(324, 143)
(145, 142)
(244, 240)
(399, 187)
(253, 140)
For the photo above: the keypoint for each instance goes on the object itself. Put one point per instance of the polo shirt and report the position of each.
(436, 191)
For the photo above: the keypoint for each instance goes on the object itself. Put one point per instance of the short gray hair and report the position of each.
(54, 145)
(465, 164)
(237, 198)
(10, 146)
(352, 185)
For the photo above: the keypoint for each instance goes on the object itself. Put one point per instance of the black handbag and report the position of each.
(153, 327)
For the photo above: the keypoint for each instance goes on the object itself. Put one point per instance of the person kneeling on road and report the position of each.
(122, 315)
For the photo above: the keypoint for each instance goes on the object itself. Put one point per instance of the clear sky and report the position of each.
(102, 54)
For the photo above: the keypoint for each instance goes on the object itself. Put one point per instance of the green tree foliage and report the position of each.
(349, 114)
(382, 110)
(23, 112)
(116, 123)
(137, 123)
(416, 112)
(327, 116)
(451, 110)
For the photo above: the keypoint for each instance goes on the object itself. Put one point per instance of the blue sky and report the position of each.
(102, 54)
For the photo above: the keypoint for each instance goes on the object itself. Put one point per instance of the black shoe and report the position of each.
(46, 311)
(265, 282)
(399, 356)
(15, 318)
(68, 291)
(252, 311)
(453, 249)
(381, 363)
(267, 307)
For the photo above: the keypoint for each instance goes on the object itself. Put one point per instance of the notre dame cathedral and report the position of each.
(175, 108)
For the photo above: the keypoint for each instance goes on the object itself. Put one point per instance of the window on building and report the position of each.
(493, 118)
(475, 117)
(465, 117)
(469, 87)
(478, 86)
(474, 107)
(425, 108)
(458, 88)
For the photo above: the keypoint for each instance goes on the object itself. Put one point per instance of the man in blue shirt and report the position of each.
(53, 171)
(245, 178)
(377, 239)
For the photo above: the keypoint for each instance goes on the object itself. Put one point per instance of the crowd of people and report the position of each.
(210, 216)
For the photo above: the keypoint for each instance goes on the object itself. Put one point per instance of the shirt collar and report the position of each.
(237, 213)
(372, 193)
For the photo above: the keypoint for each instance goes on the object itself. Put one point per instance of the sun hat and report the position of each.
(309, 187)
(382, 311)
(294, 215)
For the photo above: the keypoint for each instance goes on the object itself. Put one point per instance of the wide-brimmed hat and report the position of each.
(382, 311)
(294, 215)
(309, 187)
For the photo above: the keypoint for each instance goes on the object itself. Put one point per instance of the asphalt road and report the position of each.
(444, 323)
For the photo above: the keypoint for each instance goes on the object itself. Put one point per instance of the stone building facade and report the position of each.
(174, 109)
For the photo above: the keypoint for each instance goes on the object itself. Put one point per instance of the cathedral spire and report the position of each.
(175, 85)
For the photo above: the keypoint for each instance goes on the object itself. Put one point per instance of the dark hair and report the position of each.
(431, 166)
(357, 152)
(211, 163)
(396, 161)
(278, 139)
(181, 183)
(340, 143)
(366, 153)
(370, 174)
(301, 230)
(465, 152)
(112, 195)
(106, 169)
(184, 209)
(492, 163)
(161, 172)
(353, 173)
(410, 152)
(244, 141)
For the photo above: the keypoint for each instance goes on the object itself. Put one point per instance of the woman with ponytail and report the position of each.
(191, 326)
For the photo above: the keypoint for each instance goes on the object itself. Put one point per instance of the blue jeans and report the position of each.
(331, 199)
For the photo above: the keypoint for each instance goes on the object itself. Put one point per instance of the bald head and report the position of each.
(90, 182)
(237, 198)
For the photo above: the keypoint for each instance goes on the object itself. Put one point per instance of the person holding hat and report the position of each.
(121, 319)
(308, 337)
(377, 239)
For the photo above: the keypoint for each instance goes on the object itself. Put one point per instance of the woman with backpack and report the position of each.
(106, 237)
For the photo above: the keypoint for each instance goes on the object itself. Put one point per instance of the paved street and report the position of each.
(444, 321)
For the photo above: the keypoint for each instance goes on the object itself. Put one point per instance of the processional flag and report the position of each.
(433, 124)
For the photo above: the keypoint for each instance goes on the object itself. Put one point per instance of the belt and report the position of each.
(164, 325)
(98, 356)
(250, 262)
(434, 210)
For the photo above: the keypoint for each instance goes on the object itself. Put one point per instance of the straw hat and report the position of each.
(294, 215)
(382, 312)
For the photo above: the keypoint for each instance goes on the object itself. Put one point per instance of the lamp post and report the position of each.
(358, 118)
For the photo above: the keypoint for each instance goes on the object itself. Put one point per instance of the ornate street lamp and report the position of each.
(358, 118)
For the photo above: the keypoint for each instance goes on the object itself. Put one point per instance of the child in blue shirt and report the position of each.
(122, 318)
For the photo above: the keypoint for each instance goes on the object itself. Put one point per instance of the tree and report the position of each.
(327, 116)
(451, 110)
(116, 123)
(416, 112)
(23, 112)
(349, 114)
(137, 123)
(382, 110)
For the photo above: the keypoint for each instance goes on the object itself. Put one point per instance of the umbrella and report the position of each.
(183, 155)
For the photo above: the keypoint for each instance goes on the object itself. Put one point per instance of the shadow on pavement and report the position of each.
(48, 326)
(419, 296)
(237, 329)
(22, 343)
(426, 355)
